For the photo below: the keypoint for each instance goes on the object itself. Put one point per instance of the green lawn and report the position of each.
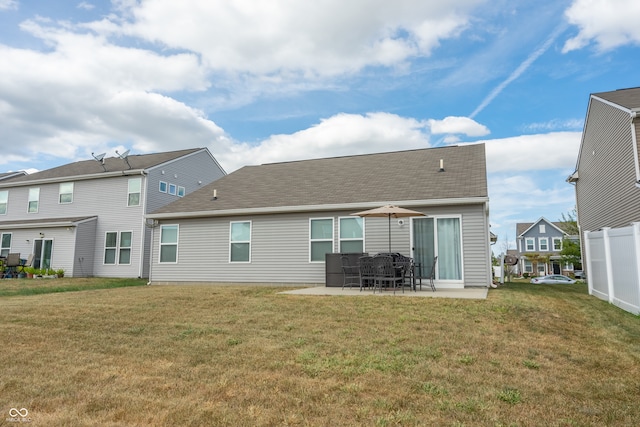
(249, 356)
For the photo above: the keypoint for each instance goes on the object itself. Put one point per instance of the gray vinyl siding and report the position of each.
(606, 191)
(280, 247)
(550, 233)
(191, 172)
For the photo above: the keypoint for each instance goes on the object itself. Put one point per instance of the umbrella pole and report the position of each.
(389, 233)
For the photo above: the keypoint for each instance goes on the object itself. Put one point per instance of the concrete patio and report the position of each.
(426, 292)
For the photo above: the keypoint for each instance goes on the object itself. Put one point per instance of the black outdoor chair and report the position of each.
(386, 273)
(350, 273)
(11, 265)
(432, 275)
(367, 272)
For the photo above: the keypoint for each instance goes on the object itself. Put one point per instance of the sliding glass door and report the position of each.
(438, 237)
(42, 249)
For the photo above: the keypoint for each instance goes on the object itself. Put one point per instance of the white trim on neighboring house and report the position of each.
(635, 117)
(546, 244)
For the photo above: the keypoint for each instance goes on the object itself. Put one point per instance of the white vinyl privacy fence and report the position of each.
(612, 256)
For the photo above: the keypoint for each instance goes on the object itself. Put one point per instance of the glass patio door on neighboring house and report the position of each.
(441, 237)
(42, 249)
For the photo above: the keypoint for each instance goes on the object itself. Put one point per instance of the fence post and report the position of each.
(608, 262)
(587, 261)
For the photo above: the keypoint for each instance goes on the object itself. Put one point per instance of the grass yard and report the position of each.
(232, 356)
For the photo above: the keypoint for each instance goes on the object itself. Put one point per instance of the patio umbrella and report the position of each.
(389, 211)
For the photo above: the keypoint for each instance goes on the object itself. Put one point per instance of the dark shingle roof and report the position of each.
(11, 175)
(627, 98)
(395, 176)
(111, 164)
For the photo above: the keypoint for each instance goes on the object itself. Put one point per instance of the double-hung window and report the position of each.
(320, 238)
(351, 234)
(557, 244)
(528, 266)
(169, 243)
(135, 186)
(530, 244)
(117, 247)
(34, 200)
(65, 193)
(5, 244)
(240, 241)
(4, 200)
(543, 243)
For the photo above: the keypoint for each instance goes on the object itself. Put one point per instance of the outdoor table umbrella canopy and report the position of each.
(389, 211)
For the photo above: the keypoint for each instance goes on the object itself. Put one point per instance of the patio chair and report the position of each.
(386, 273)
(405, 268)
(367, 272)
(432, 275)
(11, 265)
(350, 273)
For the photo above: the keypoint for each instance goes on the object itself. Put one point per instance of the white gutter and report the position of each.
(311, 208)
(45, 224)
(73, 178)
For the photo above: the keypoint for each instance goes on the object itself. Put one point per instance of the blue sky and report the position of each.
(259, 82)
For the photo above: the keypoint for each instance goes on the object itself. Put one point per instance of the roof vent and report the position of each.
(441, 166)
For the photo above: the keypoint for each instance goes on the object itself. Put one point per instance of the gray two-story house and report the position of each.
(538, 246)
(88, 217)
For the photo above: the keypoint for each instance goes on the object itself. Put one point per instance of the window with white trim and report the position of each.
(117, 247)
(528, 266)
(530, 244)
(169, 243)
(557, 244)
(240, 241)
(4, 200)
(181, 191)
(65, 193)
(543, 243)
(34, 200)
(5, 244)
(163, 187)
(134, 191)
(320, 238)
(351, 234)
(172, 189)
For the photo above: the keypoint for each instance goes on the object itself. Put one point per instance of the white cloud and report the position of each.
(308, 39)
(556, 150)
(8, 4)
(343, 134)
(607, 23)
(458, 125)
(85, 5)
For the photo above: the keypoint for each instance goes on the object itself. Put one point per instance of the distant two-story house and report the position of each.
(538, 248)
(88, 217)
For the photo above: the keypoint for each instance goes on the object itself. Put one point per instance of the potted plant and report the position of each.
(30, 271)
(60, 272)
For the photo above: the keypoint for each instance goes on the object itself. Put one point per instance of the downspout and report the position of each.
(143, 196)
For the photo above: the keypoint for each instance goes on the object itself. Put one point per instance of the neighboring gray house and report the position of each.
(607, 175)
(87, 217)
(544, 239)
(274, 223)
(607, 185)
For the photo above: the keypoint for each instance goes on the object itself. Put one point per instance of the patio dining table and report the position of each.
(407, 268)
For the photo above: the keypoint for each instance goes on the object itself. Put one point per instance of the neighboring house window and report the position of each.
(351, 235)
(34, 199)
(240, 242)
(163, 187)
(4, 199)
(320, 238)
(542, 228)
(528, 266)
(541, 270)
(181, 191)
(557, 244)
(530, 244)
(135, 186)
(117, 246)
(169, 243)
(172, 189)
(544, 243)
(5, 244)
(66, 192)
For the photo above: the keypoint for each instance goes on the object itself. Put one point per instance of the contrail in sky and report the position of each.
(521, 69)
